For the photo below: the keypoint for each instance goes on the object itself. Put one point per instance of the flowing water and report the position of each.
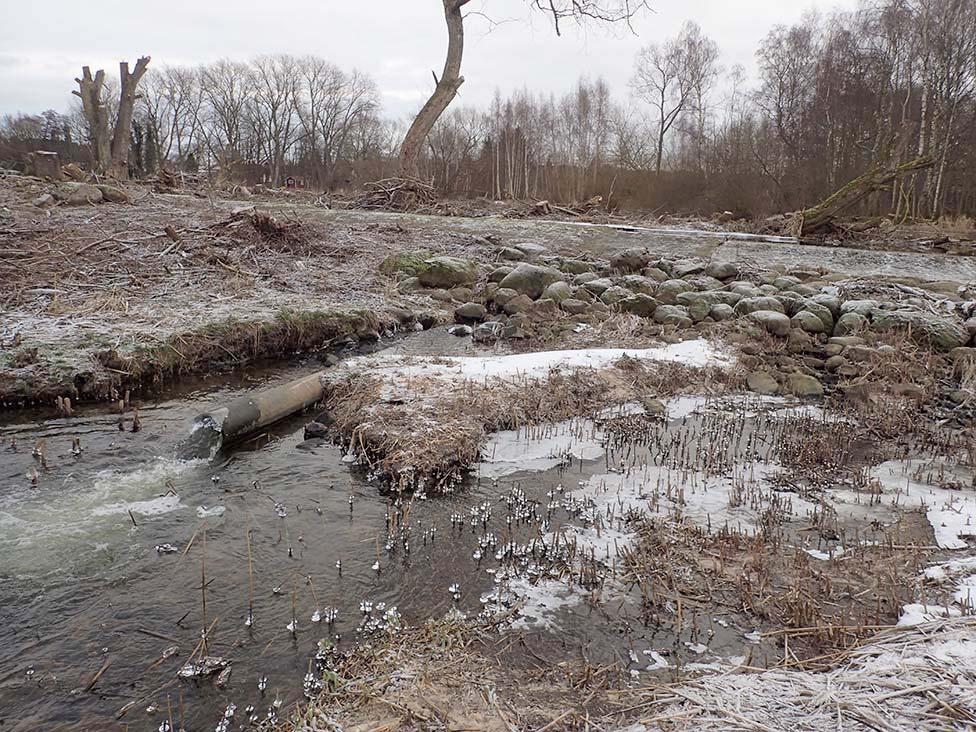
(90, 581)
(112, 557)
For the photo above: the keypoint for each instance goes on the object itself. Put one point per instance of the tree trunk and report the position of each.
(445, 91)
(119, 167)
(820, 218)
(96, 114)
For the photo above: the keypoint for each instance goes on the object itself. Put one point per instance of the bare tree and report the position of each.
(450, 81)
(672, 77)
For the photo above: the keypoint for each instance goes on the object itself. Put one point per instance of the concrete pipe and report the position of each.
(248, 414)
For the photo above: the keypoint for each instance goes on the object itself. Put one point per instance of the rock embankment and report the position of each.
(826, 326)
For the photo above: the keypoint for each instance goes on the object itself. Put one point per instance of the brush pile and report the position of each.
(427, 434)
(399, 194)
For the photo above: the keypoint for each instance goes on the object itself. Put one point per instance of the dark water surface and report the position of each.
(84, 589)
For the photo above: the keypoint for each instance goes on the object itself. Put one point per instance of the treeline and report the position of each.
(836, 94)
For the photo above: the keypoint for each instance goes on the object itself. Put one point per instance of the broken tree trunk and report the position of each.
(445, 91)
(119, 167)
(96, 114)
(820, 219)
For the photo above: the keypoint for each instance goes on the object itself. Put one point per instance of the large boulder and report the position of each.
(499, 273)
(792, 304)
(639, 304)
(630, 260)
(745, 289)
(597, 286)
(721, 312)
(710, 297)
(448, 272)
(804, 386)
(471, 312)
(558, 291)
(774, 322)
(667, 292)
(654, 273)
(704, 282)
(574, 266)
(409, 263)
(503, 295)
(801, 289)
(699, 310)
(573, 306)
(530, 249)
(511, 254)
(531, 279)
(943, 333)
(721, 270)
(757, 304)
(861, 307)
(807, 321)
(673, 315)
(831, 302)
(613, 295)
(850, 324)
(762, 382)
(687, 267)
(784, 282)
(639, 283)
(518, 304)
(822, 312)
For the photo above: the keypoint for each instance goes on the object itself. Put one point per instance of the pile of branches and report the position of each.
(584, 209)
(398, 194)
(284, 234)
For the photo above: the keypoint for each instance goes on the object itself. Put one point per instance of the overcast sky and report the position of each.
(44, 44)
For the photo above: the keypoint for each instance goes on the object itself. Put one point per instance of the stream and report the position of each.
(113, 561)
(96, 582)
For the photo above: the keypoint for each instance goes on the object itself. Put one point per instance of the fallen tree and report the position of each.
(821, 219)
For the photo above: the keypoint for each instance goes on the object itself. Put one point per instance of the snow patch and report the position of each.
(951, 512)
(698, 353)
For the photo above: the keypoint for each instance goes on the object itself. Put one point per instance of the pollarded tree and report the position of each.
(450, 81)
(111, 154)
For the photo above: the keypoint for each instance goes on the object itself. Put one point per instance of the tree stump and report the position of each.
(45, 164)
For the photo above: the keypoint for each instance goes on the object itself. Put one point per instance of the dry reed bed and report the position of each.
(450, 674)
(427, 432)
(918, 678)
